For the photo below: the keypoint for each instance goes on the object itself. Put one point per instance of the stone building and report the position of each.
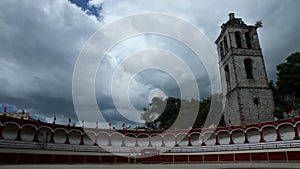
(247, 96)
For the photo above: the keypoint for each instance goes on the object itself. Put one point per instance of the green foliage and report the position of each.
(289, 75)
(258, 24)
(163, 112)
(202, 113)
(279, 114)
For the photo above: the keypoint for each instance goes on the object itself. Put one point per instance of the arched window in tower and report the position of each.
(256, 101)
(225, 43)
(227, 75)
(221, 50)
(248, 68)
(248, 40)
(238, 39)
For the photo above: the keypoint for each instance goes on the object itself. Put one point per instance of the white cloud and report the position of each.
(96, 2)
(40, 41)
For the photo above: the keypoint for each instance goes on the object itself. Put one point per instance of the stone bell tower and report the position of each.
(247, 96)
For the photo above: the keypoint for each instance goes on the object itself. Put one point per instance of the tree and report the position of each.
(288, 76)
(162, 113)
(202, 113)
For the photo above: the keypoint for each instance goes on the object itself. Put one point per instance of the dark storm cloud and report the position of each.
(39, 45)
(279, 35)
(40, 41)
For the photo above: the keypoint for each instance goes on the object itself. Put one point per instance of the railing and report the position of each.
(39, 132)
(32, 142)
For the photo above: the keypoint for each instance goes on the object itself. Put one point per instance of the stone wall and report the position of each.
(241, 102)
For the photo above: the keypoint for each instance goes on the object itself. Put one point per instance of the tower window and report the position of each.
(248, 68)
(225, 43)
(248, 40)
(227, 75)
(238, 39)
(221, 50)
(256, 101)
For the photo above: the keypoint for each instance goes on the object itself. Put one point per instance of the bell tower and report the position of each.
(247, 96)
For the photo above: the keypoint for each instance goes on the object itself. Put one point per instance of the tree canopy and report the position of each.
(288, 76)
(162, 113)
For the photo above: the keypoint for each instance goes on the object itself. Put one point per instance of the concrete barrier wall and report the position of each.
(257, 137)
(23, 158)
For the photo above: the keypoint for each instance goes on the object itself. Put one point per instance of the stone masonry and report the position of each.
(247, 96)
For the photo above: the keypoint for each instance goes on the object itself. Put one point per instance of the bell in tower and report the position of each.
(247, 96)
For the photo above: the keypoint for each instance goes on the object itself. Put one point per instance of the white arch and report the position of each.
(10, 122)
(209, 132)
(145, 134)
(156, 134)
(194, 133)
(76, 130)
(226, 131)
(34, 126)
(101, 132)
(133, 134)
(285, 124)
(60, 128)
(172, 134)
(238, 129)
(51, 129)
(269, 125)
(255, 128)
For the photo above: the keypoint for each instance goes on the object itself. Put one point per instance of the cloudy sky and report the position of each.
(40, 42)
